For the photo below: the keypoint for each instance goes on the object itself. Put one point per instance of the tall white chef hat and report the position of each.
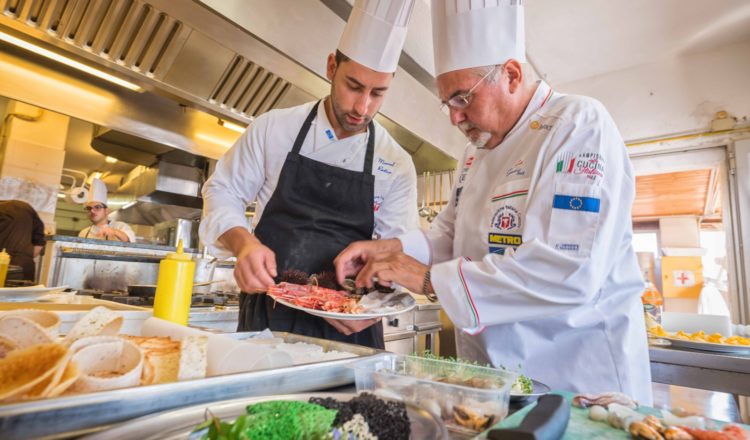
(471, 33)
(97, 192)
(375, 33)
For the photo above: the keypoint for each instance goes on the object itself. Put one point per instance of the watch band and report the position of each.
(426, 291)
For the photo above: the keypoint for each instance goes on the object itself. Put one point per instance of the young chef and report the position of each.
(101, 227)
(324, 175)
(532, 258)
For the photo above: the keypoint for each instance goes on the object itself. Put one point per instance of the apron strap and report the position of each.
(305, 128)
(370, 149)
(367, 169)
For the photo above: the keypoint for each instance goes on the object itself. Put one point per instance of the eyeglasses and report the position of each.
(94, 208)
(463, 100)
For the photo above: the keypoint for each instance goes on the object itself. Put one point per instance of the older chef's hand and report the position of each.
(348, 327)
(393, 267)
(354, 257)
(256, 263)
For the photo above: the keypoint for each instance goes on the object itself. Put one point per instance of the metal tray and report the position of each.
(76, 415)
(179, 423)
(706, 346)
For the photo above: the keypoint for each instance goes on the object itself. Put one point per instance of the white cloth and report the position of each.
(375, 33)
(94, 231)
(469, 34)
(565, 304)
(251, 169)
(97, 192)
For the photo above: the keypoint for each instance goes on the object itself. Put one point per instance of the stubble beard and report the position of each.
(341, 117)
(481, 140)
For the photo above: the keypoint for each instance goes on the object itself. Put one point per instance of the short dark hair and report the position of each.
(340, 57)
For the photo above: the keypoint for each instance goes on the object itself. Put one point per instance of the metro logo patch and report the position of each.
(505, 239)
(589, 165)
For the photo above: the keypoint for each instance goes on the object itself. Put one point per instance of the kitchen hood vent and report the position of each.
(135, 37)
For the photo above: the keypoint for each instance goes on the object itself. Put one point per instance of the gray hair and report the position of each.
(529, 74)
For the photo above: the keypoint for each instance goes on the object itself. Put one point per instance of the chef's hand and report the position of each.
(352, 259)
(348, 327)
(393, 267)
(256, 263)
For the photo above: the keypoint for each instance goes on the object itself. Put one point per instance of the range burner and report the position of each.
(223, 299)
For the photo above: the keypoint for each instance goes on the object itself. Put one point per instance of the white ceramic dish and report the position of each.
(29, 293)
(398, 302)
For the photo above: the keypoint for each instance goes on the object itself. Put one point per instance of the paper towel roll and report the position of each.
(76, 195)
(225, 355)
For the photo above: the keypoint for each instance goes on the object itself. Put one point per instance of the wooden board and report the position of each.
(581, 427)
(66, 307)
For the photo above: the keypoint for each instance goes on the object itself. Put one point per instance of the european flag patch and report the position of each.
(575, 203)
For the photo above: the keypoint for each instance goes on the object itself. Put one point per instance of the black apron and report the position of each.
(315, 212)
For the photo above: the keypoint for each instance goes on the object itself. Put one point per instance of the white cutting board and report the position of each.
(693, 322)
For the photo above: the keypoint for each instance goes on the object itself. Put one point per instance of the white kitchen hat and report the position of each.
(470, 33)
(97, 192)
(375, 33)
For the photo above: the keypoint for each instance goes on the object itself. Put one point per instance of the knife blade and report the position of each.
(546, 421)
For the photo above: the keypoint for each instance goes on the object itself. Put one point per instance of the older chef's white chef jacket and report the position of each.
(251, 169)
(533, 257)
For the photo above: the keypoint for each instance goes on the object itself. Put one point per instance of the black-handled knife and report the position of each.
(546, 421)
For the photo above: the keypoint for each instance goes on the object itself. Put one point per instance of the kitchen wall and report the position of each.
(675, 95)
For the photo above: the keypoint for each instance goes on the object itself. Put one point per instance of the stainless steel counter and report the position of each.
(722, 372)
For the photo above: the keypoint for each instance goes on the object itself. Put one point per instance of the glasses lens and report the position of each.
(445, 109)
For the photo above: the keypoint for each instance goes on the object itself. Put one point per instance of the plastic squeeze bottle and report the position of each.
(4, 263)
(174, 287)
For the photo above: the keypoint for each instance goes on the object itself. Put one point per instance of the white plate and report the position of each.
(709, 346)
(29, 293)
(398, 302)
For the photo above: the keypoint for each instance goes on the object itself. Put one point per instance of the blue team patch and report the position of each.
(497, 250)
(329, 133)
(575, 203)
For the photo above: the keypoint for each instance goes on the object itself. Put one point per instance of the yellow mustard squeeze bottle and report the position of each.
(4, 263)
(174, 287)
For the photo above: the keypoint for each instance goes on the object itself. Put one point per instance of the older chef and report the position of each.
(101, 227)
(532, 258)
(324, 175)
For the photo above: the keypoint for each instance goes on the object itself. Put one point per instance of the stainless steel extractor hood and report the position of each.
(165, 185)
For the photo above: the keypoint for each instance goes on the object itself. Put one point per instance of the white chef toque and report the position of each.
(375, 33)
(97, 192)
(470, 33)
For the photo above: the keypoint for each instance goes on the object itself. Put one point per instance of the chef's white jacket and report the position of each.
(250, 170)
(532, 258)
(94, 231)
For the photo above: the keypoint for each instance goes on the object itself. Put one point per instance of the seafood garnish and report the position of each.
(644, 431)
(728, 432)
(315, 297)
(604, 399)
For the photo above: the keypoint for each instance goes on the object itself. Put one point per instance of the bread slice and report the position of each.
(193, 357)
(161, 358)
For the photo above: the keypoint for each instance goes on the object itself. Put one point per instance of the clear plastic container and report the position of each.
(468, 398)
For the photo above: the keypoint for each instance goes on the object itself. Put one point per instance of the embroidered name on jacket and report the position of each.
(589, 165)
(575, 203)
